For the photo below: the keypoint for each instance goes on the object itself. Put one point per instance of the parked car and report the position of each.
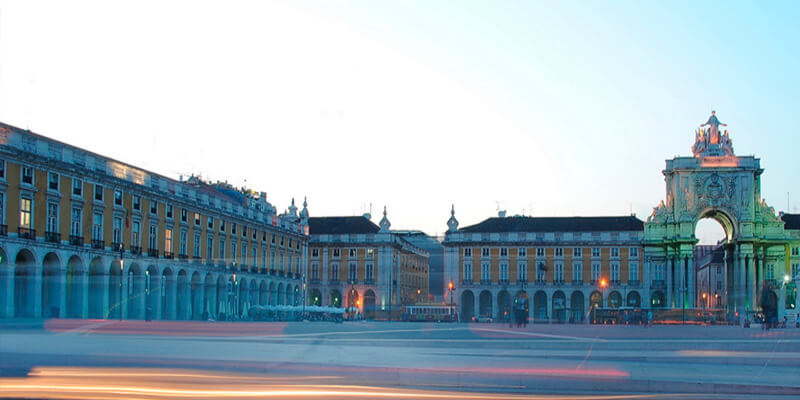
(483, 318)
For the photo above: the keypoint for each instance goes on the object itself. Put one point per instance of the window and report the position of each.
(522, 252)
(153, 239)
(353, 253)
(117, 197)
(116, 233)
(210, 223)
(336, 253)
(796, 251)
(633, 252)
(233, 228)
(559, 252)
(467, 272)
(485, 272)
(77, 187)
(244, 252)
(614, 272)
(273, 238)
(137, 203)
(540, 252)
(541, 270)
(52, 181)
(633, 274)
(595, 272)
(135, 227)
(75, 222)
(244, 232)
(254, 234)
(196, 219)
(314, 271)
(615, 252)
(485, 252)
(503, 272)
(2, 208)
(559, 270)
(370, 252)
(577, 271)
(209, 248)
(153, 207)
(27, 175)
(221, 253)
(272, 260)
(168, 212)
(522, 271)
(468, 252)
(370, 271)
(98, 192)
(25, 213)
(352, 270)
(196, 246)
(264, 236)
(658, 274)
(183, 244)
(168, 240)
(253, 255)
(334, 271)
(233, 250)
(282, 238)
(795, 270)
(504, 252)
(97, 226)
(52, 217)
(769, 272)
(221, 226)
(577, 252)
(184, 215)
(315, 253)
(595, 252)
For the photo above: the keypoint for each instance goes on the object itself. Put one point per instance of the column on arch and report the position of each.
(751, 282)
(669, 271)
(692, 297)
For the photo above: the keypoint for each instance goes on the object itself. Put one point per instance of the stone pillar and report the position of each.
(550, 308)
(83, 289)
(692, 297)
(61, 302)
(669, 271)
(154, 298)
(751, 283)
(741, 290)
(7, 291)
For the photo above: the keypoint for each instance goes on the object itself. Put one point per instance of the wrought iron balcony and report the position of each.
(168, 254)
(634, 282)
(315, 281)
(152, 252)
(117, 246)
(541, 281)
(183, 256)
(615, 282)
(26, 233)
(75, 240)
(52, 237)
(272, 272)
(504, 281)
(577, 282)
(98, 244)
(558, 282)
(466, 282)
(136, 250)
(334, 281)
(486, 281)
(659, 284)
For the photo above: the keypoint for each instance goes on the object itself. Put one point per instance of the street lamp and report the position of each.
(119, 306)
(705, 300)
(450, 287)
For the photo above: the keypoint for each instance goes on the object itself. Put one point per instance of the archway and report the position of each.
(315, 297)
(596, 299)
(369, 304)
(559, 307)
(244, 293)
(273, 294)
(576, 307)
(658, 300)
(115, 295)
(24, 281)
(352, 298)
(485, 304)
(336, 298)
(136, 291)
(52, 286)
(614, 299)
(98, 294)
(152, 292)
(540, 305)
(503, 306)
(222, 295)
(281, 294)
(262, 293)
(5, 290)
(169, 295)
(196, 292)
(634, 300)
(467, 306)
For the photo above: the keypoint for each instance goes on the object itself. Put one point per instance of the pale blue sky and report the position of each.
(562, 108)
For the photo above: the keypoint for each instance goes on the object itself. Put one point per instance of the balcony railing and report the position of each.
(26, 233)
(577, 282)
(183, 256)
(466, 282)
(486, 281)
(272, 272)
(315, 281)
(75, 240)
(334, 281)
(136, 250)
(168, 254)
(52, 237)
(540, 281)
(152, 252)
(659, 284)
(558, 282)
(634, 282)
(117, 247)
(615, 282)
(3, 230)
(369, 281)
(98, 244)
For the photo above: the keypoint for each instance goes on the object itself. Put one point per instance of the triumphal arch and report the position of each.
(713, 183)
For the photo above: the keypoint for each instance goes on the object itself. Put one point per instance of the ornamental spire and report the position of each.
(385, 224)
(452, 223)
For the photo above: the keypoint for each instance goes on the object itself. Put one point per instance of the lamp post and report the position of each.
(450, 287)
(120, 284)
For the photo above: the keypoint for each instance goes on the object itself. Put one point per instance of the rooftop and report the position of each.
(341, 225)
(556, 224)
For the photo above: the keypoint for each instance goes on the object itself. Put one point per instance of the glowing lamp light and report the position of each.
(603, 282)
(450, 285)
(786, 278)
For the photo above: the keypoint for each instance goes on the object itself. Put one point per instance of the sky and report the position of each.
(538, 108)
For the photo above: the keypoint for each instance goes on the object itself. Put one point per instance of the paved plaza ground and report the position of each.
(407, 359)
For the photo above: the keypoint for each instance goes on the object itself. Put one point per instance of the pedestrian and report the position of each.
(649, 317)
